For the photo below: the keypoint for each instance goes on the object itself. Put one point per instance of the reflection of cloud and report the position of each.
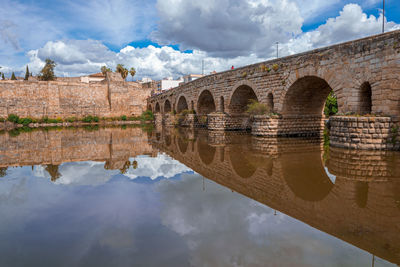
(223, 228)
(93, 173)
(161, 166)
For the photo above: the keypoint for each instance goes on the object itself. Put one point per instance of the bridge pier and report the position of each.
(288, 126)
(169, 120)
(158, 119)
(217, 121)
(378, 133)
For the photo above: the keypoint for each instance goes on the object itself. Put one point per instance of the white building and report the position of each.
(97, 77)
(167, 83)
(146, 80)
(191, 77)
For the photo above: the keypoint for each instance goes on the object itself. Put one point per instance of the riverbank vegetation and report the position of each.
(147, 116)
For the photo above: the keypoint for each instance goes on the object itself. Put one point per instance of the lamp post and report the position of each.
(383, 17)
(277, 49)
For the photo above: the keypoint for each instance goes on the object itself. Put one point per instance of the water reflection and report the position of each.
(119, 210)
(360, 205)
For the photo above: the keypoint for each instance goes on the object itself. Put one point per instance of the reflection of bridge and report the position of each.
(363, 74)
(361, 206)
(113, 145)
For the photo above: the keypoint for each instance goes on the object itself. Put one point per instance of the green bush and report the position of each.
(87, 119)
(123, 117)
(256, 108)
(24, 121)
(133, 118)
(2, 120)
(96, 119)
(147, 116)
(13, 118)
(72, 119)
(14, 132)
(331, 106)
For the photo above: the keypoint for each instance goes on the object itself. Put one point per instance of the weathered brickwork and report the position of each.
(363, 74)
(364, 133)
(113, 145)
(70, 98)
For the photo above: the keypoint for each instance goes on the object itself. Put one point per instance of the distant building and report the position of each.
(96, 77)
(191, 77)
(167, 83)
(146, 80)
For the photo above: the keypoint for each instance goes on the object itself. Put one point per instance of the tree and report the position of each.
(2, 76)
(122, 70)
(26, 73)
(132, 71)
(3, 171)
(53, 171)
(104, 70)
(13, 77)
(134, 164)
(47, 73)
(331, 106)
(125, 168)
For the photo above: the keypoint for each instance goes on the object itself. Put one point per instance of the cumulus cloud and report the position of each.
(80, 57)
(352, 23)
(161, 166)
(224, 46)
(209, 220)
(227, 28)
(93, 173)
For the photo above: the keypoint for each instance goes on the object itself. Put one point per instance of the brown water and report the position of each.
(180, 197)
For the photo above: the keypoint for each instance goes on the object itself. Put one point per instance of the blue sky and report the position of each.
(171, 37)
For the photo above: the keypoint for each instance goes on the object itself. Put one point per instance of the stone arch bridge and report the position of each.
(364, 75)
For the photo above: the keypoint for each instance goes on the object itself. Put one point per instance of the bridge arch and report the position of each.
(305, 175)
(205, 151)
(157, 108)
(365, 99)
(240, 97)
(205, 103)
(182, 104)
(244, 165)
(167, 106)
(306, 96)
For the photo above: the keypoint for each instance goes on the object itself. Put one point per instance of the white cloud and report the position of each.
(80, 57)
(352, 23)
(161, 166)
(227, 28)
(93, 173)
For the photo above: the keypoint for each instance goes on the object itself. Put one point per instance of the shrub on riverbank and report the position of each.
(256, 108)
(147, 116)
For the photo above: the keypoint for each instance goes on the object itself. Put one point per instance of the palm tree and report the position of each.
(122, 70)
(104, 70)
(132, 71)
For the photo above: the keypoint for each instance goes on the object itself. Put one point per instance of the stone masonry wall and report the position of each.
(113, 145)
(378, 133)
(69, 98)
(287, 126)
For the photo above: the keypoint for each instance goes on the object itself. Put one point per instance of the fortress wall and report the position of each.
(62, 99)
